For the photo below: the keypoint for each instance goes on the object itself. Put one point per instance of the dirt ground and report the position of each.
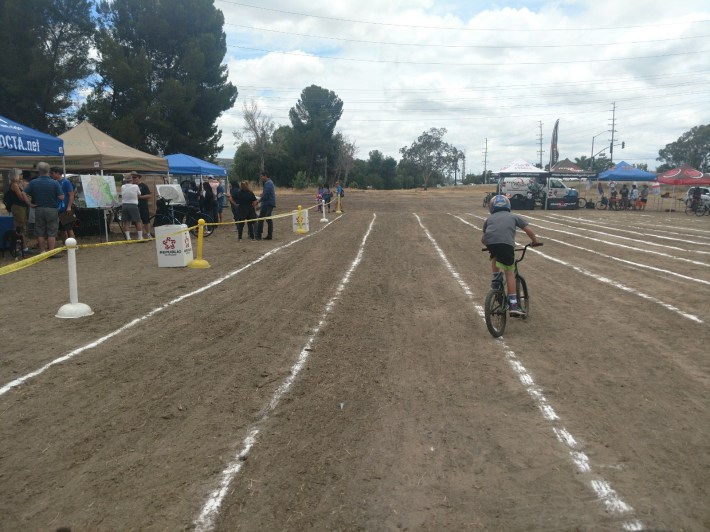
(345, 379)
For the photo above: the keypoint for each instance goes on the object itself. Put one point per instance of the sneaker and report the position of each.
(516, 311)
(267, 238)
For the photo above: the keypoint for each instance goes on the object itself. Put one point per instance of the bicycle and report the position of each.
(496, 306)
(114, 220)
(168, 214)
(696, 207)
(487, 198)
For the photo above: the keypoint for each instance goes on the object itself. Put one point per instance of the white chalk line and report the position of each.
(642, 231)
(210, 510)
(20, 380)
(606, 280)
(630, 263)
(606, 495)
(625, 246)
(654, 226)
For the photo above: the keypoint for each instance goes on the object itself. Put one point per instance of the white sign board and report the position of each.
(172, 193)
(300, 221)
(173, 245)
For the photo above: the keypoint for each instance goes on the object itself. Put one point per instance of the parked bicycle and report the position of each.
(696, 207)
(496, 306)
(114, 220)
(169, 214)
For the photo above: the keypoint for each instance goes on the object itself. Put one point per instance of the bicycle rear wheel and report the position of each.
(521, 291)
(582, 203)
(160, 219)
(601, 205)
(495, 309)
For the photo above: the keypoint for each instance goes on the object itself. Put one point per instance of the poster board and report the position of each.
(99, 191)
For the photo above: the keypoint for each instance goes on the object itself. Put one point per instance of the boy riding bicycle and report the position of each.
(499, 238)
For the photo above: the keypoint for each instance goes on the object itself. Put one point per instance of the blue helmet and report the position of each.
(499, 203)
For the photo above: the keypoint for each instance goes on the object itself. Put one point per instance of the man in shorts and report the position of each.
(66, 229)
(45, 194)
(499, 238)
(129, 208)
(143, 199)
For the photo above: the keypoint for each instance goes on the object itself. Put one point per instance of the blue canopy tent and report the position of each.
(181, 164)
(623, 171)
(18, 144)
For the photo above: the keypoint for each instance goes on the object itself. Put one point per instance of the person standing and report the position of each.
(339, 193)
(268, 204)
(243, 203)
(644, 196)
(66, 227)
(634, 197)
(129, 208)
(221, 200)
(19, 207)
(143, 205)
(600, 190)
(45, 194)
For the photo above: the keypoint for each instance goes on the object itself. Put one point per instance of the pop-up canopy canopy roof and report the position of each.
(181, 164)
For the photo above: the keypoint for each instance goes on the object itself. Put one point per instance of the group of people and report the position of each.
(244, 202)
(325, 195)
(135, 197)
(627, 198)
(46, 202)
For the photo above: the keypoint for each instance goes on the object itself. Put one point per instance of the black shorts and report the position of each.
(144, 212)
(503, 253)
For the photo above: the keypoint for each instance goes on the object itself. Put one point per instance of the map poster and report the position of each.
(99, 191)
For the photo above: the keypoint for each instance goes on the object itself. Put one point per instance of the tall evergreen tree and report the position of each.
(162, 84)
(45, 57)
(314, 119)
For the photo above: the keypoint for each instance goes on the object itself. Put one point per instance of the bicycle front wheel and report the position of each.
(582, 203)
(192, 221)
(521, 291)
(116, 224)
(495, 310)
(601, 205)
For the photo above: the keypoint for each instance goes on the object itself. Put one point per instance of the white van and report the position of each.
(526, 192)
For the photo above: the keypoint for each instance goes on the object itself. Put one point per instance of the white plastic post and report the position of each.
(73, 309)
(324, 219)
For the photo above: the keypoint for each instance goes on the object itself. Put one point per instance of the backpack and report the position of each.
(7, 199)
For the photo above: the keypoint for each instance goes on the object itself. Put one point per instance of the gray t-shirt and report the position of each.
(500, 228)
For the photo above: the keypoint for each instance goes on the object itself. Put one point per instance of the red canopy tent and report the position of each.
(684, 175)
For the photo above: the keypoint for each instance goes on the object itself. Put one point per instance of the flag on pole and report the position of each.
(554, 152)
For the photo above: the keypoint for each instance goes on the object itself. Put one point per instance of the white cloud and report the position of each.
(491, 73)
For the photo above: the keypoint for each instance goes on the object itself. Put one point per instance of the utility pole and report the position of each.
(540, 151)
(325, 170)
(463, 167)
(613, 130)
(485, 162)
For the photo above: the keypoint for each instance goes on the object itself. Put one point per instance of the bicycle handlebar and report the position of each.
(537, 245)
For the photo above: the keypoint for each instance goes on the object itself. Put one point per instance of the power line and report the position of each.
(532, 30)
(482, 46)
(381, 61)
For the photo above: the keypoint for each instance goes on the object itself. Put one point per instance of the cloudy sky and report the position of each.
(494, 74)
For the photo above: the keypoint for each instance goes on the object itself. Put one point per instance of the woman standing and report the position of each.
(243, 203)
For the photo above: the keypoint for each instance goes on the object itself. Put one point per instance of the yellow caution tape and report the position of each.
(21, 265)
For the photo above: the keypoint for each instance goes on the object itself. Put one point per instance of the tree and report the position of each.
(314, 119)
(260, 128)
(692, 148)
(162, 84)
(429, 154)
(45, 57)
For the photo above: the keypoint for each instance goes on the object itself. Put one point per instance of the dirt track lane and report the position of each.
(407, 415)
